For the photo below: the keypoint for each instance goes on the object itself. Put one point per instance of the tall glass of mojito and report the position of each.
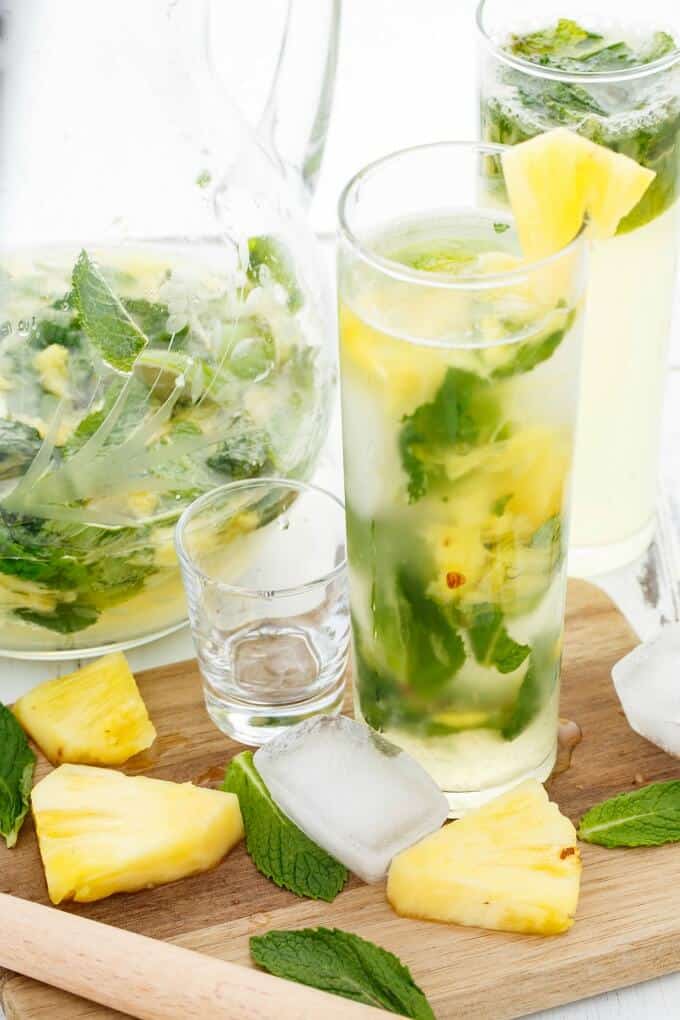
(614, 77)
(460, 369)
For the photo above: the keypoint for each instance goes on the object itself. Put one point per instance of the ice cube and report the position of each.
(356, 795)
(647, 681)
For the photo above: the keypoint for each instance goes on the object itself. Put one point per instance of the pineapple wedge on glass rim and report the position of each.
(101, 832)
(95, 716)
(512, 865)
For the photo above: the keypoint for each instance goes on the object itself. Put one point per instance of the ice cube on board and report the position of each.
(647, 681)
(359, 797)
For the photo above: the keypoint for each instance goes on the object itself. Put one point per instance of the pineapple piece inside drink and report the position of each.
(512, 865)
(95, 716)
(101, 832)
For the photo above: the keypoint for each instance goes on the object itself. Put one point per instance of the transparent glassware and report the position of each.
(459, 366)
(264, 567)
(164, 322)
(634, 110)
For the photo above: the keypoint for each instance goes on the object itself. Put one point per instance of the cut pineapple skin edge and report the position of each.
(101, 832)
(95, 716)
(513, 865)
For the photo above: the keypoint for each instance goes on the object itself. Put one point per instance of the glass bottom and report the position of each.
(62, 654)
(589, 561)
(255, 724)
(462, 803)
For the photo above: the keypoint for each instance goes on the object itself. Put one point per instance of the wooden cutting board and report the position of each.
(628, 924)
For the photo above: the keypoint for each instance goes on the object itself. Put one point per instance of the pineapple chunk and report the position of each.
(512, 865)
(101, 832)
(52, 366)
(95, 716)
(558, 179)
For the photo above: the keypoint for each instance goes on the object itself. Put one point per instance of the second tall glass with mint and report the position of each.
(614, 77)
(459, 365)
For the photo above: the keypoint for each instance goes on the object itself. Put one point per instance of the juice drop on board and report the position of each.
(569, 736)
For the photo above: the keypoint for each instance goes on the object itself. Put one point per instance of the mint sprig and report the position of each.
(104, 318)
(17, 763)
(648, 816)
(343, 964)
(491, 642)
(281, 851)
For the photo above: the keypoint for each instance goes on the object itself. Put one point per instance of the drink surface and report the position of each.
(457, 413)
(96, 462)
(632, 276)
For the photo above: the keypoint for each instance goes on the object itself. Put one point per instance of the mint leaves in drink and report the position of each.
(17, 763)
(462, 412)
(491, 642)
(639, 118)
(278, 848)
(343, 964)
(649, 816)
(104, 318)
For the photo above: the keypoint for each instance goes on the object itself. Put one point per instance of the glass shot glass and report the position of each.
(264, 568)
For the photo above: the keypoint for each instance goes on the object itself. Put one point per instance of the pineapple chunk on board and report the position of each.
(94, 716)
(101, 832)
(512, 865)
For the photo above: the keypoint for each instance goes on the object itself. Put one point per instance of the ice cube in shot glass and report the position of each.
(359, 797)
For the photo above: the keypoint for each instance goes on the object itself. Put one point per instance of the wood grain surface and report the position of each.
(628, 923)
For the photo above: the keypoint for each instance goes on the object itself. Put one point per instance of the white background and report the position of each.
(407, 75)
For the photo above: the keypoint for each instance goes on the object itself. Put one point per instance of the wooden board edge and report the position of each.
(580, 979)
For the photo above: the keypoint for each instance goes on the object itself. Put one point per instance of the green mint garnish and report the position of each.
(461, 413)
(343, 964)
(17, 763)
(269, 251)
(278, 848)
(106, 321)
(491, 642)
(530, 700)
(500, 228)
(649, 816)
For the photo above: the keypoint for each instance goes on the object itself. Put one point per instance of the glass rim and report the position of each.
(406, 274)
(264, 481)
(554, 74)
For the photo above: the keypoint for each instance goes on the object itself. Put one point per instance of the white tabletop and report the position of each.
(407, 75)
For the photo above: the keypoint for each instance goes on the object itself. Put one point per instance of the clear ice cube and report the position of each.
(647, 681)
(356, 795)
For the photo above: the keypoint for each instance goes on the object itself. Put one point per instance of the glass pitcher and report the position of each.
(164, 325)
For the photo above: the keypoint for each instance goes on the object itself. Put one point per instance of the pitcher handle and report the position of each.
(294, 124)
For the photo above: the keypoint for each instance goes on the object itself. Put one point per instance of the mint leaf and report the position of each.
(660, 45)
(527, 355)
(65, 618)
(434, 649)
(537, 686)
(491, 642)
(649, 816)
(566, 37)
(343, 964)
(269, 251)
(105, 320)
(17, 763)
(152, 319)
(527, 706)
(278, 848)
(462, 413)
